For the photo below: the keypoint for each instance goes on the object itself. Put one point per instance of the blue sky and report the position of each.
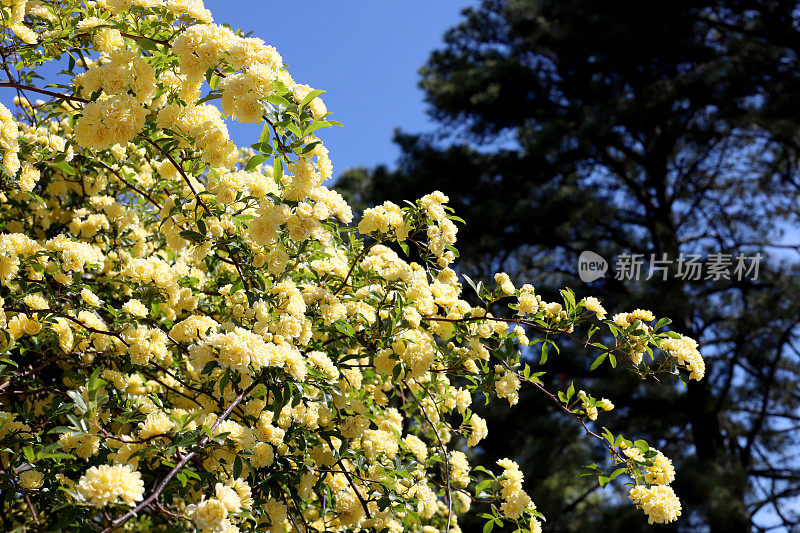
(364, 53)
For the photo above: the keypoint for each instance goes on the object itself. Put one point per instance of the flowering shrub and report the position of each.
(194, 336)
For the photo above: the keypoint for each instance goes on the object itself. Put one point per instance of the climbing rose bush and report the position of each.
(195, 336)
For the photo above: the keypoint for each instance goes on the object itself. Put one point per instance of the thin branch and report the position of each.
(355, 489)
(185, 459)
(353, 266)
(444, 454)
(53, 94)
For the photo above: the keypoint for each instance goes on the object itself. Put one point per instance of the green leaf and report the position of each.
(213, 95)
(470, 282)
(482, 485)
(404, 247)
(266, 132)
(277, 100)
(294, 129)
(29, 455)
(147, 44)
(616, 473)
(480, 468)
(569, 298)
(309, 97)
(76, 397)
(264, 147)
(66, 167)
(661, 323)
(255, 161)
(597, 362)
(309, 147)
(314, 126)
(191, 235)
(238, 466)
(488, 526)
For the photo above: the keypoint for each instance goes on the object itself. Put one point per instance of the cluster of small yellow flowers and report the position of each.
(113, 120)
(9, 140)
(416, 447)
(638, 342)
(504, 283)
(661, 472)
(192, 8)
(200, 48)
(204, 125)
(588, 404)
(459, 469)
(8, 424)
(317, 106)
(31, 479)
(209, 515)
(145, 344)
(28, 177)
(120, 71)
(415, 350)
(108, 484)
(521, 337)
(75, 255)
(13, 13)
(135, 308)
(242, 92)
(442, 231)
(478, 430)
(652, 491)
(242, 349)
(507, 386)
(13, 248)
(156, 423)
(659, 503)
(36, 301)
(605, 404)
(108, 40)
(593, 304)
(216, 514)
(384, 218)
(684, 349)
(304, 179)
(528, 301)
(516, 501)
